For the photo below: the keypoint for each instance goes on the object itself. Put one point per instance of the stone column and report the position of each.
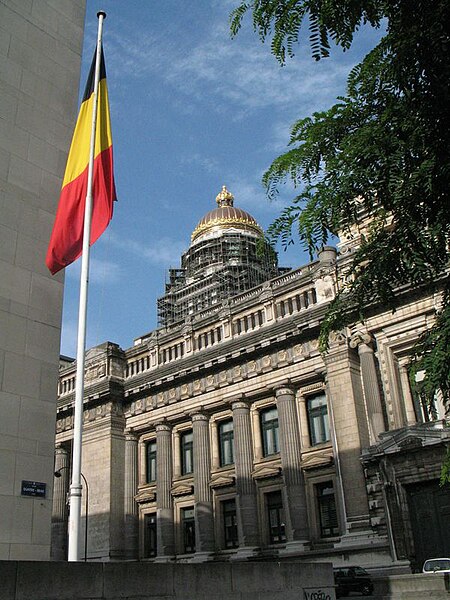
(215, 456)
(346, 400)
(203, 507)
(59, 511)
(304, 433)
(177, 455)
(246, 504)
(297, 530)
(131, 524)
(411, 418)
(164, 503)
(370, 384)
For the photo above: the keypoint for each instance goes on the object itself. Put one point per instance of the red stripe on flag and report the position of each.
(66, 242)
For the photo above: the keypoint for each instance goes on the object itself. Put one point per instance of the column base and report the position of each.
(200, 557)
(245, 553)
(295, 547)
(163, 559)
(357, 536)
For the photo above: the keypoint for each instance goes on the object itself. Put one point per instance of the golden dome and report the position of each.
(226, 216)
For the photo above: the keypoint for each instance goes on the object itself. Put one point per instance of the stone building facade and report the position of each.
(229, 436)
(40, 60)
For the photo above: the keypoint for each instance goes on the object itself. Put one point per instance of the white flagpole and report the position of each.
(76, 487)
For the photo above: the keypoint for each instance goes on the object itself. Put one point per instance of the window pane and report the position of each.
(269, 431)
(187, 458)
(319, 427)
(327, 509)
(230, 523)
(275, 517)
(151, 462)
(149, 535)
(188, 525)
(226, 442)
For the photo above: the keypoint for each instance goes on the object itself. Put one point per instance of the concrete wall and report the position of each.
(212, 581)
(40, 55)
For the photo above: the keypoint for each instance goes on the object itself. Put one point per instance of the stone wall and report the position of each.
(213, 581)
(40, 56)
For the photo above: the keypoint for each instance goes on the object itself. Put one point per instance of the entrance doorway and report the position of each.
(429, 507)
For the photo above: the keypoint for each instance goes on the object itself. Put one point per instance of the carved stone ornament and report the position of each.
(338, 338)
(182, 489)
(318, 459)
(145, 496)
(360, 337)
(266, 472)
(324, 289)
(222, 480)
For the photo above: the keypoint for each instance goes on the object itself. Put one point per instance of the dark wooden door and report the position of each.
(429, 506)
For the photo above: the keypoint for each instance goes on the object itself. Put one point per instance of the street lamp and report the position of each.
(86, 510)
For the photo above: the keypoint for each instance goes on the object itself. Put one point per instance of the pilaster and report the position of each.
(131, 523)
(351, 434)
(297, 530)
(363, 341)
(59, 511)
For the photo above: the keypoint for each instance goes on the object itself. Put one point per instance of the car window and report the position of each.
(360, 571)
(437, 565)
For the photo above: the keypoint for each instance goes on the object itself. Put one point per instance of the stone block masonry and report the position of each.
(148, 581)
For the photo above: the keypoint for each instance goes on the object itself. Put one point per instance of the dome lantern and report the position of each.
(225, 217)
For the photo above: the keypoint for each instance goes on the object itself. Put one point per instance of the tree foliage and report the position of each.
(383, 148)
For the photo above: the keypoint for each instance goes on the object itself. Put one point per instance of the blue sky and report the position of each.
(191, 110)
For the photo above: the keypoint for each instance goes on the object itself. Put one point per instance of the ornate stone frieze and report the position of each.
(234, 374)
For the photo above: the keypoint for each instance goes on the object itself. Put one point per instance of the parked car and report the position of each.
(352, 579)
(436, 565)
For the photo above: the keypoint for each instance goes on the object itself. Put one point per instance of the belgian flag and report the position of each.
(66, 242)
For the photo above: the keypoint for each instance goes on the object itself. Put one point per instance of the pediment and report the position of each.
(145, 496)
(317, 459)
(219, 481)
(410, 438)
(182, 489)
(266, 472)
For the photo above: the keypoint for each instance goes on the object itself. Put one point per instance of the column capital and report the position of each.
(199, 415)
(130, 434)
(163, 425)
(361, 339)
(284, 388)
(240, 401)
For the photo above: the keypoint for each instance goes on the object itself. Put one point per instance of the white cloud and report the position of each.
(237, 76)
(163, 251)
(101, 271)
(210, 165)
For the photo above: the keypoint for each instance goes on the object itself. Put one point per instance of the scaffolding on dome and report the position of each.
(213, 270)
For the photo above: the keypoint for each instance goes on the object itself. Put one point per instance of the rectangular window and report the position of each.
(150, 462)
(230, 523)
(187, 455)
(275, 513)
(326, 502)
(269, 431)
(226, 443)
(319, 428)
(188, 527)
(150, 535)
